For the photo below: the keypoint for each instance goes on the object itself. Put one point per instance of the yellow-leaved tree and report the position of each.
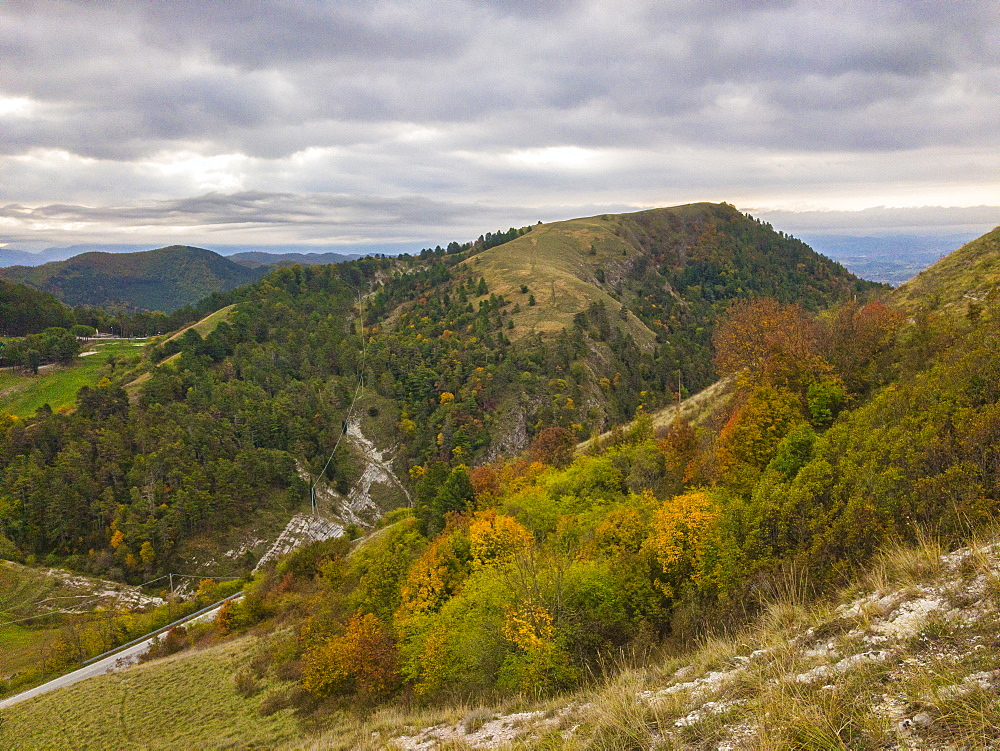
(683, 538)
(497, 539)
(538, 663)
(437, 575)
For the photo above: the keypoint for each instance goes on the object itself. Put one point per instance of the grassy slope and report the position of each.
(22, 645)
(554, 261)
(204, 327)
(176, 702)
(915, 636)
(207, 325)
(698, 409)
(970, 273)
(37, 604)
(56, 386)
(21, 588)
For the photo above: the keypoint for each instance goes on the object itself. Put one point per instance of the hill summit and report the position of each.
(162, 279)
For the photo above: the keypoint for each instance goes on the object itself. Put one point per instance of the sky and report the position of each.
(366, 123)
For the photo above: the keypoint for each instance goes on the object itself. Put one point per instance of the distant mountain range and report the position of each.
(163, 279)
(250, 257)
(14, 257)
(890, 259)
(256, 258)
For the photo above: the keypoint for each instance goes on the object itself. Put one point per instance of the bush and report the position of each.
(246, 685)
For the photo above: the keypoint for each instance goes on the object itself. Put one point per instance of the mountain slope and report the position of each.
(969, 275)
(25, 310)
(163, 279)
(659, 264)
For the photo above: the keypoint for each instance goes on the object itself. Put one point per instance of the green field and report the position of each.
(177, 702)
(57, 385)
(21, 647)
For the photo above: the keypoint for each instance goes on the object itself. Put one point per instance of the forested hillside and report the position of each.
(521, 565)
(849, 432)
(164, 279)
(24, 310)
(449, 375)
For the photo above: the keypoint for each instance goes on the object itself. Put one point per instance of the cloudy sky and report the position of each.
(313, 122)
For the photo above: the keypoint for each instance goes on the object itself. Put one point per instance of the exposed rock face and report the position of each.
(301, 530)
(335, 511)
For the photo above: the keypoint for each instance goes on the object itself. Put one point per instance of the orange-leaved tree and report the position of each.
(767, 341)
(363, 661)
(857, 340)
(750, 438)
(553, 445)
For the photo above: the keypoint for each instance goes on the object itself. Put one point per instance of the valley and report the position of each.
(612, 482)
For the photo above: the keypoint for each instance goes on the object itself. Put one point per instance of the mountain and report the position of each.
(255, 258)
(163, 279)
(968, 277)
(431, 405)
(659, 264)
(662, 275)
(12, 257)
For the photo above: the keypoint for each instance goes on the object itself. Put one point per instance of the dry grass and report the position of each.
(900, 565)
(556, 263)
(188, 700)
(755, 689)
(207, 324)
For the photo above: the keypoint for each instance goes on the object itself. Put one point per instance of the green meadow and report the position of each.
(56, 385)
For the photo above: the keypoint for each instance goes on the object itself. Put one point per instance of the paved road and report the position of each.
(112, 663)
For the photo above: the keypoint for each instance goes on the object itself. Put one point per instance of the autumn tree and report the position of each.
(750, 438)
(497, 539)
(554, 446)
(362, 661)
(857, 341)
(682, 537)
(679, 444)
(436, 575)
(766, 341)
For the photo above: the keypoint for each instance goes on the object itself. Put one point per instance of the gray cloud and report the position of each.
(779, 103)
(882, 220)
